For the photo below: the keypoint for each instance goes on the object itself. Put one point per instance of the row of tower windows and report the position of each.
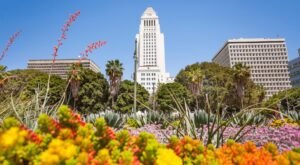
(149, 22)
(258, 50)
(269, 75)
(269, 71)
(148, 74)
(260, 61)
(258, 54)
(258, 46)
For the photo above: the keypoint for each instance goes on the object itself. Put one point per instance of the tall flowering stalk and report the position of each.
(63, 36)
(91, 47)
(10, 42)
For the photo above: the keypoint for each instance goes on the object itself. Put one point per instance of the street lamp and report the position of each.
(134, 76)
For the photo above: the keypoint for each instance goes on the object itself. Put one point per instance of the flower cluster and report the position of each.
(64, 30)
(285, 121)
(91, 47)
(69, 140)
(10, 42)
(286, 137)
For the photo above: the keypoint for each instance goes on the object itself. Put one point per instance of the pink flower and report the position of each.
(64, 30)
(10, 42)
(90, 48)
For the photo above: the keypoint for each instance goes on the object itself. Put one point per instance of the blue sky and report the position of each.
(194, 29)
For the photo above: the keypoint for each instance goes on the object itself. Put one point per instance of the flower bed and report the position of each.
(285, 137)
(69, 140)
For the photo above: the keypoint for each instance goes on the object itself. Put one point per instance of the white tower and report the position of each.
(151, 52)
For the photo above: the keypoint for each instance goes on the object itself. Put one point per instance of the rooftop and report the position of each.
(149, 13)
(249, 40)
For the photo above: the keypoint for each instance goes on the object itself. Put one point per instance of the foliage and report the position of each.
(285, 100)
(69, 140)
(29, 82)
(249, 118)
(92, 94)
(164, 96)
(113, 119)
(148, 117)
(194, 82)
(211, 133)
(218, 87)
(241, 77)
(114, 71)
(124, 102)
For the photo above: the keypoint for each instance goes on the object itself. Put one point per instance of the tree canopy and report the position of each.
(27, 83)
(167, 94)
(92, 92)
(218, 86)
(124, 101)
(285, 100)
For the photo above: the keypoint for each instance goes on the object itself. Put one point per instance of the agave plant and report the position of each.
(214, 124)
(294, 115)
(250, 118)
(26, 111)
(113, 119)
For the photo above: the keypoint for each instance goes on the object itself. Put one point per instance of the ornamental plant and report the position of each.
(67, 140)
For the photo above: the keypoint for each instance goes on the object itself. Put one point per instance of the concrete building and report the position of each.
(150, 49)
(267, 59)
(61, 67)
(294, 67)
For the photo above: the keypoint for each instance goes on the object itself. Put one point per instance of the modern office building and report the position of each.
(294, 67)
(267, 59)
(61, 67)
(150, 49)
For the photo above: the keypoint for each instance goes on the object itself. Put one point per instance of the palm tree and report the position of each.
(75, 78)
(114, 71)
(195, 82)
(241, 77)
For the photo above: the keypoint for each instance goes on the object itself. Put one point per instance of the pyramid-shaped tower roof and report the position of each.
(149, 13)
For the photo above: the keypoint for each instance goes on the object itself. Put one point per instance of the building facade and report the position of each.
(294, 67)
(267, 59)
(61, 67)
(150, 49)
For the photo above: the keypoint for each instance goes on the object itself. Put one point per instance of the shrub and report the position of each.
(69, 140)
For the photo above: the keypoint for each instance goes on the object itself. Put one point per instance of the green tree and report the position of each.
(194, 84)
(114, 71)
(216, 83)
(285, 100)
(27, 83)
(92, 93)
(166, 92)
(241, 76)
(124, 101)
(38, 84)
(218, 88)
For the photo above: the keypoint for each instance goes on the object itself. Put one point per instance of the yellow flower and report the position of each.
(103, 157)
(58, 150)
(167, 157)
(49, 158)
(12, 137)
